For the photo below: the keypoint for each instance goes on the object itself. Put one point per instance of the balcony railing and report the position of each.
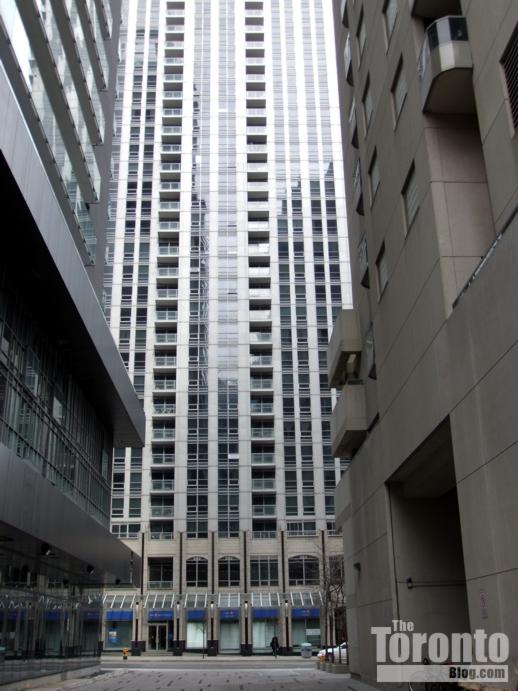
(167, 272)
(160, 535)
(168, 250)
(261, 408)
(166, 315)
(164, 409)
(264, 534)
(167, 293)
(445, 67)
(162, 511)
(263, 483)
(263, 458)
(162, 485)
(165, 361)
(165, 338)
(162, 458)
(260, 337)
(165, 384)
(259, 384)
(261, 360)
(164, 433)
(262, 432)
(263, 509)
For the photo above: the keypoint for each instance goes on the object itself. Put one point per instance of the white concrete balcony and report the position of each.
(344, 348)
(349, 421)
(445, 68)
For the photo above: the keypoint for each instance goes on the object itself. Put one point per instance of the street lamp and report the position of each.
(246, 627)
(137, 608)
(212, 651)
(177, 649)
(287, 626)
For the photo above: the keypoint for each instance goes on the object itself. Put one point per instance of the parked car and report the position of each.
(339, 652)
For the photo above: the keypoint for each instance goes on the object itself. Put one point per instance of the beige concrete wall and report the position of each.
(435, 360)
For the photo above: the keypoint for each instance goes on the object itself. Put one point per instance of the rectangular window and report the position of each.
(390, 15)
(398, 90)
(510, 65)
(374, 176)
(367, 104)
(361, 36)
(382, 270)
(410, 197)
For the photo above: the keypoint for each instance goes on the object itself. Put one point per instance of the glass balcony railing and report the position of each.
(263, 483)
(165, 361)
(262, 432)
(264, 534)
(162, 485)
(261, 360)
(260, 337)
(261, 407)
(162, 511)
(263, 510)
(167, 272)
(259, 384)
(263, 458)
(162, 458)
(160, 535)
(165, 338)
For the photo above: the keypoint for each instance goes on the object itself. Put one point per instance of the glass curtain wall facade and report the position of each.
(227, 263)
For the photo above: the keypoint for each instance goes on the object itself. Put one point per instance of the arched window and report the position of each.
(303, 570)
(228, 572)
(196, 572)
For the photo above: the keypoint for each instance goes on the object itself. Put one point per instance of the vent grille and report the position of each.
(510, 65)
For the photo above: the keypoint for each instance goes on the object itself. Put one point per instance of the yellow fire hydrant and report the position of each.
(125, 653)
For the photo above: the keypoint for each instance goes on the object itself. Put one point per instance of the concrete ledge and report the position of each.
(47, 679)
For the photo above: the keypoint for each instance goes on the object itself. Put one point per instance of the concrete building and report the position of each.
(427, 358)
(227, 265)
(65, 397)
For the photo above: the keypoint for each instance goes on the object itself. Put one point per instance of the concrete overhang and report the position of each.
(345, 342)
(349, 421)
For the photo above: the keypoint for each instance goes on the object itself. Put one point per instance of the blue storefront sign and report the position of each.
(160, 615)
(119, 615)
(305, 613)
(91, 615)
(229, 615)
(196, 615)
(265, 613)
(53, 615)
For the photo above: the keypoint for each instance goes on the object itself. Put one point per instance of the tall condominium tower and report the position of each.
(429, 92)
(65, 397)
(227, 264)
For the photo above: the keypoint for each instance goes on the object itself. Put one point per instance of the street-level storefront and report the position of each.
(264, 627)
(118, 629)
(160, 630)
(196, 629)
(229, 630)
(305, 626)
(90, 633)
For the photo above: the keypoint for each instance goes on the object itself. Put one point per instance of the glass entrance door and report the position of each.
(157, 636)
